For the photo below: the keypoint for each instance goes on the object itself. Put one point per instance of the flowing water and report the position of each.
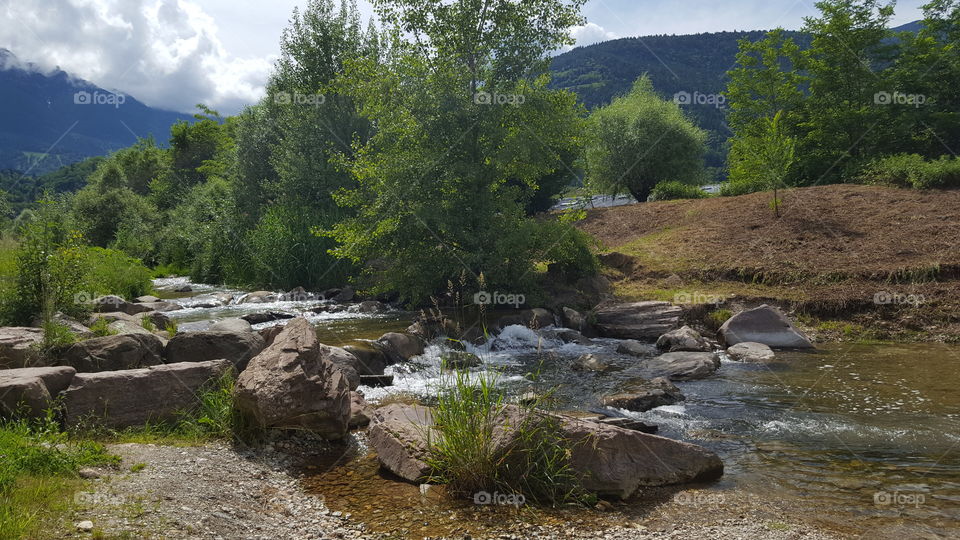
(862, 438)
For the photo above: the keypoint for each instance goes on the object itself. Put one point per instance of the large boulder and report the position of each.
(162, 307)
(360, 411)
(685, 366)
(238, 347)
(19, 346)
(591, 362)
(292, 384)
(371, 360)
(134, 397)
(124, 327)
(751, 352)
(107, 304)
(400, 347)
(370, 306)
(764, 325)
(231, 325)
(269, 316)
(29, 392)
(348, 364)
(575, 320)
(609, 460)
(643, 395)
(633, 347)
(113, 353)
(259, 297)
(683, 339)
(639, 320)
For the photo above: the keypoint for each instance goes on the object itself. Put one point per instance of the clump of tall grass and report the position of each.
(480, 442)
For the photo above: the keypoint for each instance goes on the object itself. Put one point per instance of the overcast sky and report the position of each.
(173, 54)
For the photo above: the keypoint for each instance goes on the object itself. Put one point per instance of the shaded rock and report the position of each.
(575, 320)
(630, 423)
(398, 433)
(29, 392)
(644, 395)
(18, 346)
(751, 352)
(159, 320)
(112, 316)
(259, 297)
(764, 325)
(298, 294)
(360, 411)
(258, 318)
(183, 289)
(460, 360)
(238, 347)
(134, 397)
(376, 381)
(369, 306)
(401, 347)
(291, 384)
(339, 296)
(107, 304)
(231, 325)
(348, 364)
(683, 339)
(685, 366)
(572, 336)
(113, 353)
(592, 362)
(269, 334)
(633, 348)
(639, 320)
(370, 359)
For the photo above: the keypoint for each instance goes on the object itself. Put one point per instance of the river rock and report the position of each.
(751, 352)
(238, 347)
(633, 347)
(29, 392)
(369, 306)
(686, 366)
(269, 334)
(376, 381)
(572, 336)
(371, 360)
(231, 325)
(644, 395)
(298, 294)
(590, 362)
(124, 327)
(575, 320)
(764, 325)
(258, 318)
(398, 433)
(146, 299)
(341, 296)
(348, 364)
(18, 346)
(360, 411)
(292, 385)
(106, 304)
(162, 307)
(159, 320)
(134, 397)
(111, 316)
(259, 297)
(114, 353)
(683, 339)
(638, 320)
(400, 347)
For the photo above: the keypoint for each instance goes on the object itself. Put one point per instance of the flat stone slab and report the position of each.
(766, 325)
(644, 321)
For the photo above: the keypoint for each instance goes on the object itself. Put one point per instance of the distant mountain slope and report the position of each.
(695, 64)
(52, 119)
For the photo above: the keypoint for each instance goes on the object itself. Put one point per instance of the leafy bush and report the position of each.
(716, 318)
(912, 170)
(55, 338)
(114, 272)
(667, 191)
(734, 188)
(101, 328)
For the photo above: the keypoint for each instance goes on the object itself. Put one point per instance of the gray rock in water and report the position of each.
(644, 395)
(639, 320)
(683, 339)
(575, 320)
(293, 384)
(751, 352)
(633, 347)
(231, 325)
(400, 347)
(259, 297)
(685, 366)
(591, 362)
(238, 347)
(764, 325)
(259, 318)
(134, 397)
(113, 353)
(29, 392)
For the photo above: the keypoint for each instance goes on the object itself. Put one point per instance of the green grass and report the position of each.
(101, 328)
(38, 475)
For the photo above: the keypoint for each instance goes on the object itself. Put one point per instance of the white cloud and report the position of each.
(166, 53)
(589, 34)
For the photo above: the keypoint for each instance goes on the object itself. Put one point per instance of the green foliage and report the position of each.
(172, 328)
(113, 272)
(912, 170)
(716, 318)
(764, 158)
(56, 337)
(101, 328)
(670, 190)
(465, 457)
(147, 324)
(640, 140)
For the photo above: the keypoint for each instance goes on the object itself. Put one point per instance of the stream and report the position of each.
(860, 438)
